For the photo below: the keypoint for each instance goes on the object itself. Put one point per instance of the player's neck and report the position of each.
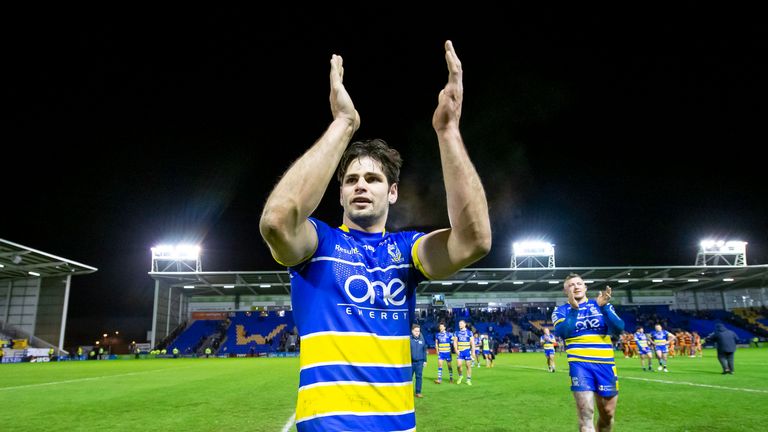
(374, 227)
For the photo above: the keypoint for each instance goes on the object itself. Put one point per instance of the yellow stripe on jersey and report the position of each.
(365, 398)
(575, 359)
(597, 353)
(354, 348)
(416, 260)
(589, 339)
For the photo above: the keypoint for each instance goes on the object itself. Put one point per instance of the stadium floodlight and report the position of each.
(722, 252)
(532, 253)
(181, 257)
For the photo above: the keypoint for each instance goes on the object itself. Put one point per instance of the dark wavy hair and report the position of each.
(376, 149)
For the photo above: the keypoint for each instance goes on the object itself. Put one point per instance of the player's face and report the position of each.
(365, 193)
(416, 332)
(462, 325)
(441, 327)
(658, 327)
(577, 286)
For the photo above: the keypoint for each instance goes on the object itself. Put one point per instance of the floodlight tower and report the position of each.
(178, 258)
(532, 254)
(731, 253)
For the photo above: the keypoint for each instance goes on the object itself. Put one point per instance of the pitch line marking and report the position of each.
(289, 423)
(670, 382)
(87, 379)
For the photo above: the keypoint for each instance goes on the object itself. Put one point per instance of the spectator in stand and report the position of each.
(725, 340)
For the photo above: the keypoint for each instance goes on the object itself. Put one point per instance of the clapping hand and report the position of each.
(604, 297)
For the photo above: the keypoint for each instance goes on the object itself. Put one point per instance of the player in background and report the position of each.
(476, 336)
(661, 339)
(548, 343)
(443, 344)
(644, 349)
(464, 344)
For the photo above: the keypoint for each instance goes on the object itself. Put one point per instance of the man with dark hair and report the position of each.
(587, 325)
(353, 287)
(418, 357)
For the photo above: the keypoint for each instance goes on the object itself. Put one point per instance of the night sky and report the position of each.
(623, 136)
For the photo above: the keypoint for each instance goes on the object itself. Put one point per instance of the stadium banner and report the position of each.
(37, 352)
(209, 315)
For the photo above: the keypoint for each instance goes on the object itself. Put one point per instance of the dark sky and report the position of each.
(623, 136)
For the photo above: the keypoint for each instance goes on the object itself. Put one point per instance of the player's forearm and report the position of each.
(466, 201)
(615, 323)
(565, 328)
(300, 190)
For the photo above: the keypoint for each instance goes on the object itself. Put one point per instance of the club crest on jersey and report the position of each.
(394, 252)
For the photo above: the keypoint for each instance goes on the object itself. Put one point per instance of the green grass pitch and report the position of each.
(258, 394)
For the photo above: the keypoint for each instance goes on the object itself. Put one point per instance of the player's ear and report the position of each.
(393, 193)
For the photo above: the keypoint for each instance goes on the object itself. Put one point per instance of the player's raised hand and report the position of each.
(604, 297)
(448, 111)
(341, 103)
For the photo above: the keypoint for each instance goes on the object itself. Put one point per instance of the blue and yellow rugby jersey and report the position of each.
(353, 301)
(444, 341)
(642, 340)
(590, 340)
(547, 341)
(660, 339)
(463, 341)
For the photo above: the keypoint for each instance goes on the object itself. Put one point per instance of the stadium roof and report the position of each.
(480, 280)
(17, 261)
